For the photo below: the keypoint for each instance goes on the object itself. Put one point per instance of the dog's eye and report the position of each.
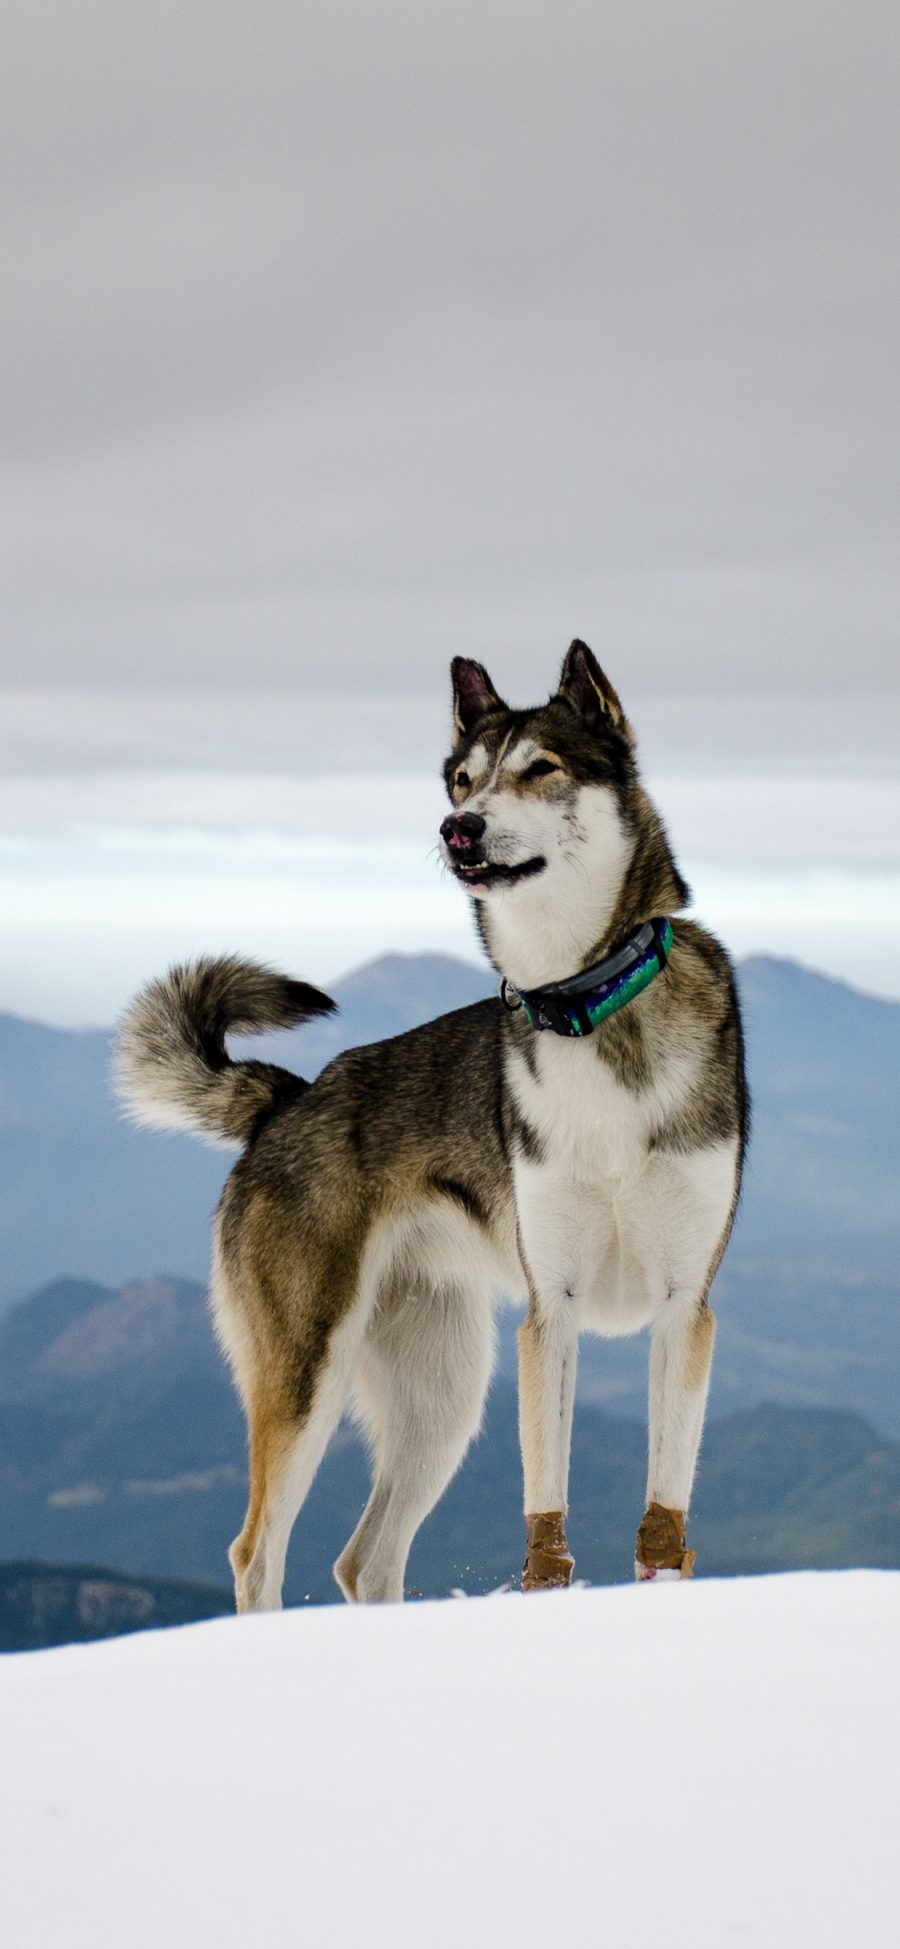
(462, 781)
(541, 768)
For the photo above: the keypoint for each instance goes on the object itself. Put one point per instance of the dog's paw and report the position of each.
(548, 1560)
(661, 1549)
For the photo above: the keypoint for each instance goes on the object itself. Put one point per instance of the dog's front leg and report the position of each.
(548, 1353)
(680, 1359)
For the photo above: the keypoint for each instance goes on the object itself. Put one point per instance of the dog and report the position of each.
(577, 1140)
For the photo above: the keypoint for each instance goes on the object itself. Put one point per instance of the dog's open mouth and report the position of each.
(480, 873)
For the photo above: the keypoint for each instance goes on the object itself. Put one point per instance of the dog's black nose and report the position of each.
(462, 829)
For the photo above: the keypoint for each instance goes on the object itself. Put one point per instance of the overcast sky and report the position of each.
(360, 335)
(339, 340)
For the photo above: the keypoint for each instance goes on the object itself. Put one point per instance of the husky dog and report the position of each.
(578, 1140)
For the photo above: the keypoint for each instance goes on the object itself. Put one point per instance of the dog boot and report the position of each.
(548, 1563)
(661, 1553)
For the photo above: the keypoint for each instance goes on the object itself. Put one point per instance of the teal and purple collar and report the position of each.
(579, 1005)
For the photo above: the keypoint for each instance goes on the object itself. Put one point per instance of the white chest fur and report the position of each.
(606, 1220)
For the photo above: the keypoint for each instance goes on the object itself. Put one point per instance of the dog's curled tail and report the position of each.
(171, 1066)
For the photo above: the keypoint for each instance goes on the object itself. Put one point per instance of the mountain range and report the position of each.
(121, 1443)
(808, 1297)
(46, 1604)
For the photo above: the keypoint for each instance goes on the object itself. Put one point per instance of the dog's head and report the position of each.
(539, 796)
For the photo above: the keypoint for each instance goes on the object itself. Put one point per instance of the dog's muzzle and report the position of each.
(463, 835)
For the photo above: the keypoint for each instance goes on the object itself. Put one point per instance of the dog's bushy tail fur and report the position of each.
(171, 1065)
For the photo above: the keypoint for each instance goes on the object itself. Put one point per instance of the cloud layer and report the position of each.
(338, 340)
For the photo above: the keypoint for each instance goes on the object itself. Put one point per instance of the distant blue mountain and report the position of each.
(824, 1066)
(808, 1297)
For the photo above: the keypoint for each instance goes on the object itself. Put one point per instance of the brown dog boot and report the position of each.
(548, 1564)
(661, 1549)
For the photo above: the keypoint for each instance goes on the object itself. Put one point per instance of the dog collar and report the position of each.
(578, 1005)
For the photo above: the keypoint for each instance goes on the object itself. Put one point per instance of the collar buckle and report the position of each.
(550, 1011)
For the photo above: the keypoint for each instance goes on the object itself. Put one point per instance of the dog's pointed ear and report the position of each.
(473, 695)
(583, 685)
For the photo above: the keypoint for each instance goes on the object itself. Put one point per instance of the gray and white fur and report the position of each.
(376, 1216)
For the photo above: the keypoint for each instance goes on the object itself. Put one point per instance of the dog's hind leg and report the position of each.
(285, 1452)
(681, 1351)
(422, 1388)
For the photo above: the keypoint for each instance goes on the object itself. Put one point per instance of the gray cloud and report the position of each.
(337, 340)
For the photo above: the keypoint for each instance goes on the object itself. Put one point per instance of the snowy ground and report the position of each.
(699, 1764)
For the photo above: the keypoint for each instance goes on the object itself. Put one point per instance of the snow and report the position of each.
(701, 1763)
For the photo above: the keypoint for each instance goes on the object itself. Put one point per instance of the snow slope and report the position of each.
(701, 1764)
